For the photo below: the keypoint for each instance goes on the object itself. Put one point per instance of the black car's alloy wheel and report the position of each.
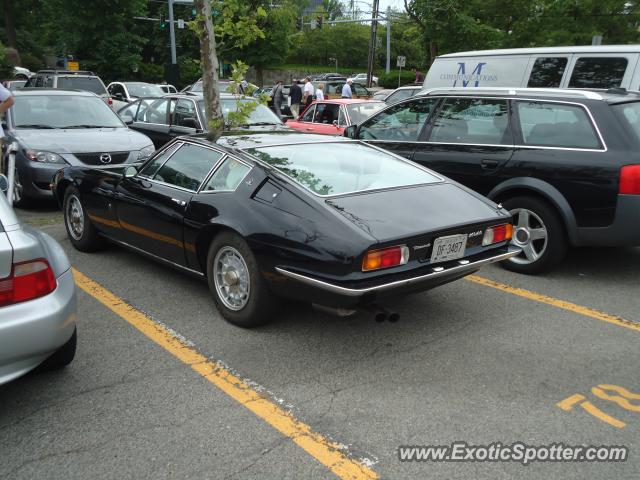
(82, 234)
(539, 232)
(239, 291)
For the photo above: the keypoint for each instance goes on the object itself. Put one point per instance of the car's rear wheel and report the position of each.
(238, 288)
(539, 232)
(63, 356)
(82, 233)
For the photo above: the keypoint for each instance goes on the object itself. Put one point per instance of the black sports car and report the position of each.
(326, 220)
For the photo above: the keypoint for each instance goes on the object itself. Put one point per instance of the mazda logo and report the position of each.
(105, 158)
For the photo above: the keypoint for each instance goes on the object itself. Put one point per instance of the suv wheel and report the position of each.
(539, 232)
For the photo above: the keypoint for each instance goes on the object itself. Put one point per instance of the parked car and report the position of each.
(54, 128)
(22, 73)
(331, 117)
(167, 88)
(37, 298)
(381, 94)
(70, 79)
(224, 86)
(306, 217)
(564, 162)
(362, 78)
(167, 117)
(14, 84)
(330, 76)
(285, 109)
(402, 93)
(123, 93)
(333, 89)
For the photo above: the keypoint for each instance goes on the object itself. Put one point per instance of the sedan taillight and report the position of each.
(629, 180)
(385, 258)
(28, 280)
(497, 234)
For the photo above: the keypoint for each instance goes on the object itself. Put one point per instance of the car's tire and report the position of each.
(539, 231)
(81, 232)
(239, 290)
(63, 356)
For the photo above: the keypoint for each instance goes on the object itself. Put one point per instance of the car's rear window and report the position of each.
(88, 84)
(342, 167)
(630, 115)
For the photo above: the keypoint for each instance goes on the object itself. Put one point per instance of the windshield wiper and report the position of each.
(35, 126)
(87, 126)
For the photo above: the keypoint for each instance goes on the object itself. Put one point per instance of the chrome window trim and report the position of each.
(213, 172)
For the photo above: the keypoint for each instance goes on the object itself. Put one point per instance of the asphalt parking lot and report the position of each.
(162, 387)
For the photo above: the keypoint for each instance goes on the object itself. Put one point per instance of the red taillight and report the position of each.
(28, 280)
(629, 180)
(385, 258)
(497, 234)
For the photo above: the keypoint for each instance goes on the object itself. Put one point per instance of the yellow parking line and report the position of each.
(571, 307)
(326, 452)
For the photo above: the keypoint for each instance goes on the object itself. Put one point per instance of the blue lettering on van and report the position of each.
(476, 76)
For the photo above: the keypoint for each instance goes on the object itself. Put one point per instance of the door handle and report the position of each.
(182, 203)
(488, 164)
(309, 129)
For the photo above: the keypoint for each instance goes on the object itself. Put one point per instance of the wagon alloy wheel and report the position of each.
(530, 234)
(232, 279)
(539, 231)
(239, 290)
(75, 217)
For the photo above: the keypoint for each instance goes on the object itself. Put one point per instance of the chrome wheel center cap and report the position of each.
(522, 236)
(231, 277)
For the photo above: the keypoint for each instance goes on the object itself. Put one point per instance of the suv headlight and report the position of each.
(43, 157)
(146, 152)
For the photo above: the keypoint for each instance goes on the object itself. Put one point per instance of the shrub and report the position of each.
(6, 66)
(149, 72)
(390, 80)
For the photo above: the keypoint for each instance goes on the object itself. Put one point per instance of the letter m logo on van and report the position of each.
(465, 78)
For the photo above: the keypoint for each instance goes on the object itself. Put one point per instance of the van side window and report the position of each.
(605, 72)
(547, 72)
(556, 125)
(472, 120)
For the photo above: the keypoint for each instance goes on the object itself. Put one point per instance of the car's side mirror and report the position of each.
(130, 172)
(4, 183)
(351, 131)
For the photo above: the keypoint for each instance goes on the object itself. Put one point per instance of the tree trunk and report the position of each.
(260, 75)
(9, 24)
(433, 51)
(209, 60)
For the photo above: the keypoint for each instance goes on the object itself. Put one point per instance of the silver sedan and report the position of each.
(37, 298)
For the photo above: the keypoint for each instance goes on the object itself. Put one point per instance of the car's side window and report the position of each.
(188, 166)
(227, 176)
(128, 114)
(152, 166)
(342, 117)
(48, 81)
(594, 72)
(556, 125)
(308, 115)
(472, 120)
(326, 113)
(400, 122)
(185, 115)
(156, 112)
(547, 72)
(359, 90)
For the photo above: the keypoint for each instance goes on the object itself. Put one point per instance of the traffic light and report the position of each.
(163, 22)
(319, 20)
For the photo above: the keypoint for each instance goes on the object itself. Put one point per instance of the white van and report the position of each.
(603, 66)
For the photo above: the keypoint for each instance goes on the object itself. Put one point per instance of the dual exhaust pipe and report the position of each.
(380, 314)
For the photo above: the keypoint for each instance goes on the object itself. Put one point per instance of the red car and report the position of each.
(331, 117)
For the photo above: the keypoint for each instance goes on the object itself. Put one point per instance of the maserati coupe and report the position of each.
(287, 215)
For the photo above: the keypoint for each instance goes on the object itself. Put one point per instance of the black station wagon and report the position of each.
(565, 163)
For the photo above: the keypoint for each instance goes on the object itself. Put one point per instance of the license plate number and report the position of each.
(448, 248)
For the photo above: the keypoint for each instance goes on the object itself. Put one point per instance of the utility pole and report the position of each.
(388, 67)
(172, 34)
(372, 43)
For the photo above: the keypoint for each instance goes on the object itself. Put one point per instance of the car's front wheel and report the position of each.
(238, 288)
(539, 232)
(82, 233)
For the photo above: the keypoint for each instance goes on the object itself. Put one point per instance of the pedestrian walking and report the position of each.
(320, 92)
(278, 98)
(419, 75)
(6, 101)
(295, 95)
(346, 89)
(307, 97)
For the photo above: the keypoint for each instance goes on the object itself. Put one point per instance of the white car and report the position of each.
(362, 78)
(123, 93)
(22, 73)
(166, 88)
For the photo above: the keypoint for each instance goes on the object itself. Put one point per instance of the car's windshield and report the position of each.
(630, 113)
(359, 112)
(88, 84)
(261, 115)
(62, 111)
(196, 87)
(144, 90)
(342, 167)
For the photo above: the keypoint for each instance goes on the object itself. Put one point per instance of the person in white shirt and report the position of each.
(6, 101)
(320, 92)
(346, 89)
(307, 96)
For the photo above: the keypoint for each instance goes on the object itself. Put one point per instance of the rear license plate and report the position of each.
(448, 248)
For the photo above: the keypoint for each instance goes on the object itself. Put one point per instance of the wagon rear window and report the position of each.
(341, 167)
(630, 113)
